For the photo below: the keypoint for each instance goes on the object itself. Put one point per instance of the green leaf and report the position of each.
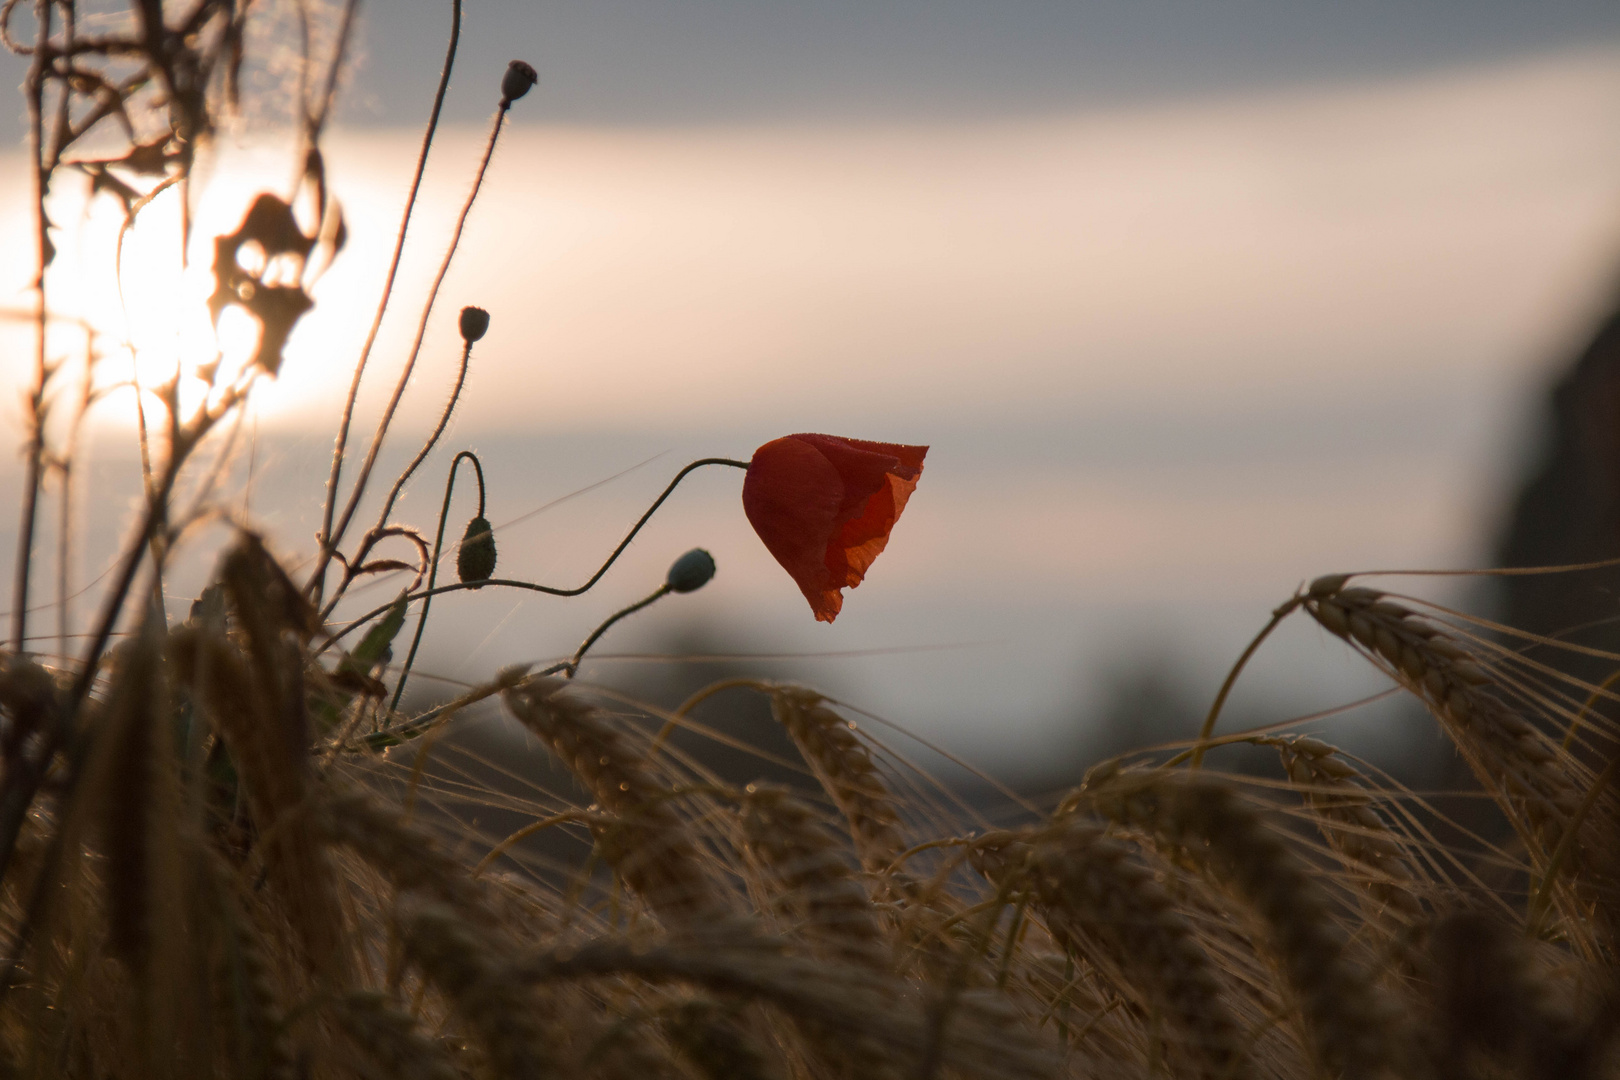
(381, 636)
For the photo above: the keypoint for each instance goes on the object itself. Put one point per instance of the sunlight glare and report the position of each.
(151, 314)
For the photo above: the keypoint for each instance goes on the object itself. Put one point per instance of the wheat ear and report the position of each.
(825, 903)
(1207, 821)
(845, 769)
(272, 769)
(134, 777)
(711, 1037)
(820, 996)
(458, 958)
(1516, 762)
(389, 1037)
(647, 844)
(245, 988)
(1343, 808)
(1110, 913)
(818, 890)
(1494, 1004)
(404, 852)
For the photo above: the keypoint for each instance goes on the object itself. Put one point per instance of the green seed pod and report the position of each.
(517, 81)
(475, 559)
(690, 572)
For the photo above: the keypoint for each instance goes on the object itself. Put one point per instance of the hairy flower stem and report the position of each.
(342, 441)
(336, 536)
(380, 530)
(572, 667)
(433, 564)
(549, 590)
(432, 440)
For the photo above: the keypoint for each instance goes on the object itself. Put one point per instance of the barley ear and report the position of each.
(716, 1042)
(1538, 786)
(390, 1038)
(457, 957)
(132, 779)
(1111, 914)
(1205, 820)
(817, 889)
(845, 769)
(646, 841)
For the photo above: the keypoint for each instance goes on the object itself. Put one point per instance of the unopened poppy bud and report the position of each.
(474, 324)
(690, 572)
(475, 559)
(518, 80)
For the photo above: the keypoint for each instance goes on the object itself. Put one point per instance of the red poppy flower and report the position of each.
(824, 507)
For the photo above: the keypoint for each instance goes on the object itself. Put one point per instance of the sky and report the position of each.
(713, 61)
(1190, 304)
(686, 61)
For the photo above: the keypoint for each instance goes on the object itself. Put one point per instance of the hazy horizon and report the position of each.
(1171, 359)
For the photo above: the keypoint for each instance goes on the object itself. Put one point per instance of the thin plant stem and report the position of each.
(1208, 729)
(433, 564)
(416, 726)
(572, 667)
(550, 590)
(15, 798)
(36, 396)
(303, 62)
(18, 792)
(340, 445)
(427, 448)
(340, 51)
(527, 831)
(64, 539)
(1586, 709)
(387, 419)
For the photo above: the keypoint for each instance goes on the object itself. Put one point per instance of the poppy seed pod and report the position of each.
(474, 324)
(475, 559)
(824, 506)
(518, 80)
(690, 572)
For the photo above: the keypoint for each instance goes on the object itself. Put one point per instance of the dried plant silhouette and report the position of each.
(226, 851)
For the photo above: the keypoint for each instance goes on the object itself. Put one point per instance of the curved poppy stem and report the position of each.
(571, 668)
(433, 563)
(549, 590)
(651, 510)
(1208, 729)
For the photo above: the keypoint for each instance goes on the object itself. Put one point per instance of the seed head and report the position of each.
(474, 324)
(518, 80)
(475, 559)
(690, 572)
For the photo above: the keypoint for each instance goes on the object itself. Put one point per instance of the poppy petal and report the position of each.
(824, 507)
(792, 495)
